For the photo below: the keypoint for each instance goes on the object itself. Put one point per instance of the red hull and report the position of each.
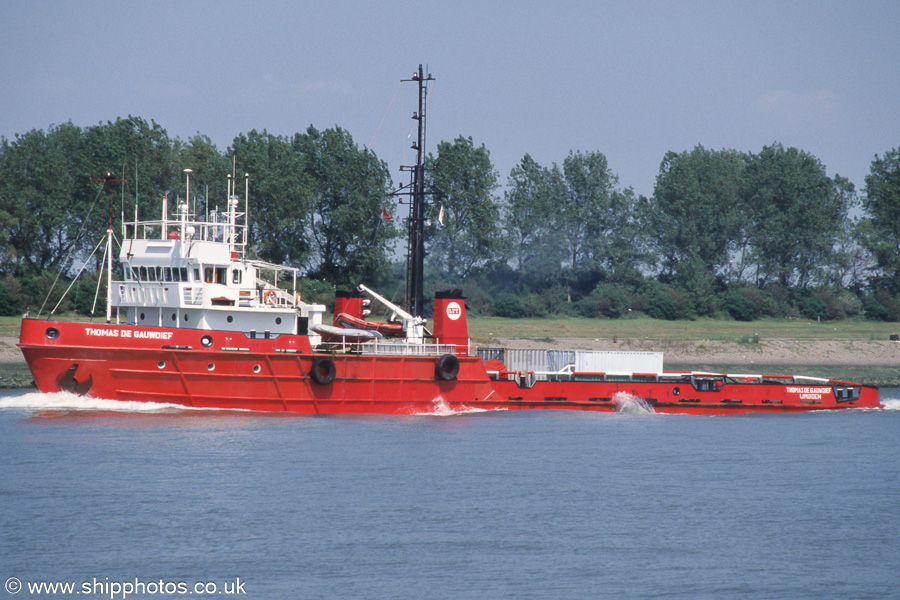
(174, 366)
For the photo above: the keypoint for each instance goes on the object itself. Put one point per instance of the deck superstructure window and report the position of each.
(215, 274)
(184, 274)
(236, 276)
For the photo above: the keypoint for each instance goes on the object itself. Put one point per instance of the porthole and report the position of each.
(206, 341)
(185, 317)
(174, 318)
(161, 364)
(257, 368)
(210, 367)
(142, 316)
(230, 319)
(675, 391)
(52, 333)
(278, 320)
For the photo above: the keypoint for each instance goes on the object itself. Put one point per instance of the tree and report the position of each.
(797, 214)
(135, 150)
(599, 225)
(280, 197)
(349, 190)
(882, 202)
(529, 216)
(698, 213)
(462, 180)
(40, 195)
(210, 171)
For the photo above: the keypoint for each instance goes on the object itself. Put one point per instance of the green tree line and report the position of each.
(725, 233)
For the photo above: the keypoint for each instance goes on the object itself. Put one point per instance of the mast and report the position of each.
(108, 180)
(416, 249)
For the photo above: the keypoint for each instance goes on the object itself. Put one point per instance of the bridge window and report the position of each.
(215, 274)
(184, 274)
(236, 276)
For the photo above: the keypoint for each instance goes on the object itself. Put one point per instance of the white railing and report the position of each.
(390, 348)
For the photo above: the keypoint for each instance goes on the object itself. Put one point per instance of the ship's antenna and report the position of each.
(135, 199)
(416, 247)
(187, 189)
(123, 202)
(109, 238)
(247, 213)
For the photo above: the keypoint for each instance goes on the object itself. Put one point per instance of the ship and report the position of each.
(192, 320)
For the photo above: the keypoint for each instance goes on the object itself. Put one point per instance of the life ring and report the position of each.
(447, 367)
(323, 370)
(297, 299)
(270, 297)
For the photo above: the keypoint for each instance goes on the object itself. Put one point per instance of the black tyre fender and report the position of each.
(447, 367)
(323, 370)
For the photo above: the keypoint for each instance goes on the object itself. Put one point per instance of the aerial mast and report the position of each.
(416, 249)
(108, 180)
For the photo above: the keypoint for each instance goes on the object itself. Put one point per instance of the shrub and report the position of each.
(611, 301)
(890, 304)
(813, 307)
(316, 291)
(841, 303)
(9, 305)
(874, 310)
(81, 296)
(660, 305)
(738, 306)
(586, 307)
(533, 306)
(509, 306)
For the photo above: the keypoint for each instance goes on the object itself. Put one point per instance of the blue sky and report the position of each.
(630, 79)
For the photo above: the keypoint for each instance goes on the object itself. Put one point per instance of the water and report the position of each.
(490, 505)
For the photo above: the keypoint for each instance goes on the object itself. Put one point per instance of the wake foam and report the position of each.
(628, 403)
(442, 409)
(70, 401)
(891, 403)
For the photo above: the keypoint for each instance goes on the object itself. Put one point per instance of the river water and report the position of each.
(148, 501)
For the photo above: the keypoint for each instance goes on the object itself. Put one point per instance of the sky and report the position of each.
(632, 80)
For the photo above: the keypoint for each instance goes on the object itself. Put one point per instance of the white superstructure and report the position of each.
(187, 273)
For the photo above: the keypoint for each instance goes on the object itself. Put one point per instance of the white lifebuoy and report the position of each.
(269, 297)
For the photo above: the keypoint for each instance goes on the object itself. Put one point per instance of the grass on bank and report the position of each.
(483, 329)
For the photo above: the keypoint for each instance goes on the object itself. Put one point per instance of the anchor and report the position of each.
(68, 383)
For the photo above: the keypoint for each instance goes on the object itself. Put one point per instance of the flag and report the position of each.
(441, 217)
(384, 214)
